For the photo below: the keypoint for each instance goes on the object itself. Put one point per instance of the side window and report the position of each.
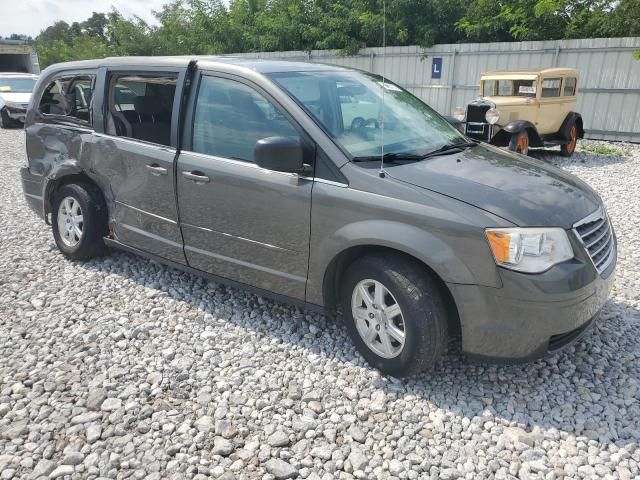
(569, 87)
(488, 88)
(505, 88)
(230, 117)
(69, 97)
(551, 87)
(141, 106)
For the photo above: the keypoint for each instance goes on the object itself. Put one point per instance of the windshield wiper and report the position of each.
(389, 156)
(399, 156)
(450, 148)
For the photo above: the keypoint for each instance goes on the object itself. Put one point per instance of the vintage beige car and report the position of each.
(525, 109)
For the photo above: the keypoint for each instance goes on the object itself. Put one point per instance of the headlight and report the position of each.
(459, 113)
(492, 115)
(531, 250)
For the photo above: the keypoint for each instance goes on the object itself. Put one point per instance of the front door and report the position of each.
(240, 221)
(137, 154)
(550, 106)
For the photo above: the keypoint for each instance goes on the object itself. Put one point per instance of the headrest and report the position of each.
(147, 105)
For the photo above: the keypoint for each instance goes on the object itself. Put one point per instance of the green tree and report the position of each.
(205, 27)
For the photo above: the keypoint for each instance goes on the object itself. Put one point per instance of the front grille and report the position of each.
(476, 113)
(476, 125)
(597, 237)
(479, 131)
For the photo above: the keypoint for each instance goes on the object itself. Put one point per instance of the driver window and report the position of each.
(231, 117)
(551, 87)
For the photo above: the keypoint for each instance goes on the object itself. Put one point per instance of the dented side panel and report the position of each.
(141, 203)
(143, 212)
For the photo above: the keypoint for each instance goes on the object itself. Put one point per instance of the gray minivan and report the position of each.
(328, 187)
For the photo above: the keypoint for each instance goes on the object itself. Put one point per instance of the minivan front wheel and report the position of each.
(79, 221)
(394, 313)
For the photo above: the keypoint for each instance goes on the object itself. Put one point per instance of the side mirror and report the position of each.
(282, 154)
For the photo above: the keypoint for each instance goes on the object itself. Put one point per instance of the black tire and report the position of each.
(94, 225)
(520, 143)
(418, 295)
(567, 149)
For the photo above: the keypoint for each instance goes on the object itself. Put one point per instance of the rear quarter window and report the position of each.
(569, 89)
(68, 99)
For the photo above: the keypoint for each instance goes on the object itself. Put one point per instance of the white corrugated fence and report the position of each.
(609, 97)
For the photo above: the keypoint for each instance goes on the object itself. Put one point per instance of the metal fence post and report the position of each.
(451, 82)
(557, 54)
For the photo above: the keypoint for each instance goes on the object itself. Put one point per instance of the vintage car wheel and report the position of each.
(520, 143)
(567, 149)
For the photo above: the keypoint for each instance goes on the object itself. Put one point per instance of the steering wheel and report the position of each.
(374, 122)
(357, 123)
(360, 122)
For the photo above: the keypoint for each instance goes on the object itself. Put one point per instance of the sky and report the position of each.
(31, 16)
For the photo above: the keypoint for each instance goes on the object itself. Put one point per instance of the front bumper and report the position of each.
(16, 114)
(532, 315)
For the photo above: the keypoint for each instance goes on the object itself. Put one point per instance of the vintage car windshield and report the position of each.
(16, 84)
(508, 88)
(348, 105)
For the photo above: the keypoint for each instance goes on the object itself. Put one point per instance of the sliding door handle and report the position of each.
(196, 176)
(156, 169)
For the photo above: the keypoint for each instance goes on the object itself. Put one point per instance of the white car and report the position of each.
(15, 92)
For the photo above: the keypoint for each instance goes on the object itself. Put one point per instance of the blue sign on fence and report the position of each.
(436, 68)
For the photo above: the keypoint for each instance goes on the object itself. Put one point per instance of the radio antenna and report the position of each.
(384, 88)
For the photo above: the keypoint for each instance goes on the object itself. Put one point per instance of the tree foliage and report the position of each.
(204, 27)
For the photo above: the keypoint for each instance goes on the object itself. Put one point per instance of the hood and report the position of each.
(17, 97)
(524, 191)
(512, 101)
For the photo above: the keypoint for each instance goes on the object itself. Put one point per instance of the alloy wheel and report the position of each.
(70, 221)
(378, 318)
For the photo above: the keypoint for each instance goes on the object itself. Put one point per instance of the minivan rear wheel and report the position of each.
(394, 313)
(79, 221)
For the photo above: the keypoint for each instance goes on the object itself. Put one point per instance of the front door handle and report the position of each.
(156, 169)
(196, 176)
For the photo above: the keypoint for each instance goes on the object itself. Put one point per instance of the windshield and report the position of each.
(348, 105)
(16, 84)
(508, 88)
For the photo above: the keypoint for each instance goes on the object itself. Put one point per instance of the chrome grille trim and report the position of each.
(596, 236)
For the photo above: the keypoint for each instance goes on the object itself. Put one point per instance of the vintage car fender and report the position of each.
(501, 138)
(570, 119)
(453, 121)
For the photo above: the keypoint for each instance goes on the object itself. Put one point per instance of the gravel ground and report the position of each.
(123, 368)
